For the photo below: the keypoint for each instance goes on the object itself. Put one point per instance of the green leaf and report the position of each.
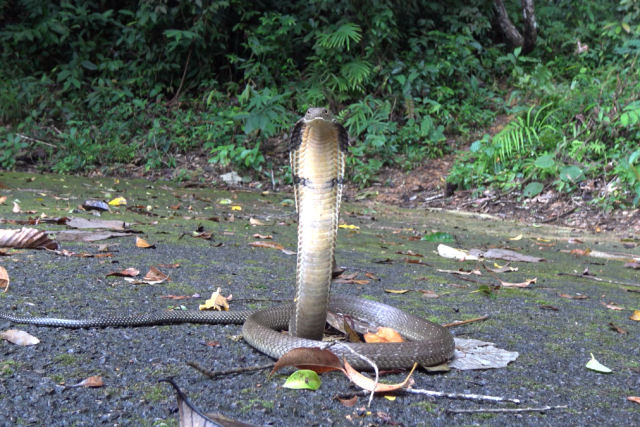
(532, 189)
(571, 174)
(594, 365)
(438, 236)
(303, 379)
(545, 162)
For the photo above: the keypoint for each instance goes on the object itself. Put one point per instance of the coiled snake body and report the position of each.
(318, 148)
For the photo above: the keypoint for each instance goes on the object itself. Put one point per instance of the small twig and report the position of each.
(433, 393)
(375, 368)
(39, 141)
(506, 410)
(597, 279)
(464, 322)
(184, 74)
(437, 196)
(233, 371)
(463, 396)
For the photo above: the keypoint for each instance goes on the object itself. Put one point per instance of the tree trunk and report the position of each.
(526, 40)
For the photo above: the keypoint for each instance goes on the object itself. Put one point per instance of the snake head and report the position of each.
(318, 113)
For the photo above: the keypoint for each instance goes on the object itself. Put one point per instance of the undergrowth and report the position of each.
(87, 84)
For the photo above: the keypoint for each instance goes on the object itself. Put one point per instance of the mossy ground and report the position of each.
(553, 334)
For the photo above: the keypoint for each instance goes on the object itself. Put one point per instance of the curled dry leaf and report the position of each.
(118, 201)
(635, 399)
(315, 359)
(3, 199)
(368, 384)
(573, 296)
(524, 284)
(19, 337)
(26, 238)
(612, 306)
(93, 381)
(271, 245)
(141, 243)
(616, 328)
(4, 279)
(594, 365)
(635, 315)
(263, 236)
(127, 272)
(216, 302)
(154, 276)
(348, 402)
(383, 334)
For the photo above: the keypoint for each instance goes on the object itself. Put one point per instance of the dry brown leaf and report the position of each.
(141, 243)
(93, 381)
(19, 337)
(371, 276)
(383, 334)
(3, 199)
(216, 302)
(348, 402)
(206, 235)
(617, 328)
(428, 293)
(175, 297)
(368, 384)
(4, 279)
(580, 252)
(573, 296)
(524, 284)
(168, 265)
(612, 306)
(316, 359)
(635, 399)
(154, 276)
(635, 315)
(410, 253)
(26, 238)
(461, 272)
(263, 236)
(271, 245)
(127, 272)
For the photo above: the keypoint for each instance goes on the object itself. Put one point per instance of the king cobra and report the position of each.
(317, 150)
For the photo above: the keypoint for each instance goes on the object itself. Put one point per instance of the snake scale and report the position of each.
(317, 149)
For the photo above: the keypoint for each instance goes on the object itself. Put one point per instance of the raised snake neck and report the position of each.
(318, 147)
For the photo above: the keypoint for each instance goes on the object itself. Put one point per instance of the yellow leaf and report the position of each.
(518, 237)
(141, 243)
(396, 291)
(4, 279)
(625, 27)
(216, 302)
(118, 201)
(349, 226)
(236, 208)
(383, 334)
(635, 316)
(390, 397)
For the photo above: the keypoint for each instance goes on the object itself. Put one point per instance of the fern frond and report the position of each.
(355, 73)
(341, 37)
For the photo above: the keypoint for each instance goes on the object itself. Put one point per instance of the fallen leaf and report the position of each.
(518, 237)
(397, 291)
(4, 279)
(94, 381)
(594, 365)
(524, 284)
(118, 201)
(176, 265)
(175, 297)
(461, 272)
(262, 236)
(634, 265)
(87, 236)
(348, 402)
(19, 337)
(206, 235)
(549, 307)
(475, 354)
(271, 245)
(573, 296)
(438, 236)
(383, 334)
(141, 243)
(368, 384)
(410, 253)
(216, 302)
(349, 227)
(16, 208)
(612, 306)
(500, 269)
(3, 199)
(303, 379)
(236, 208)
(127, 272)
(315, 359)
(225, 201)
(26, 238)
(154, 276)
(254, 221)
(505, 254)
(77, 222)
(428, 293)
(617, 328)
(580, 252)
(453, 253)
(635, 315)
(634, 399)
(190, 416)
(371, 276)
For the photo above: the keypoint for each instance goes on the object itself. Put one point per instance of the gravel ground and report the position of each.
(553, 334)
